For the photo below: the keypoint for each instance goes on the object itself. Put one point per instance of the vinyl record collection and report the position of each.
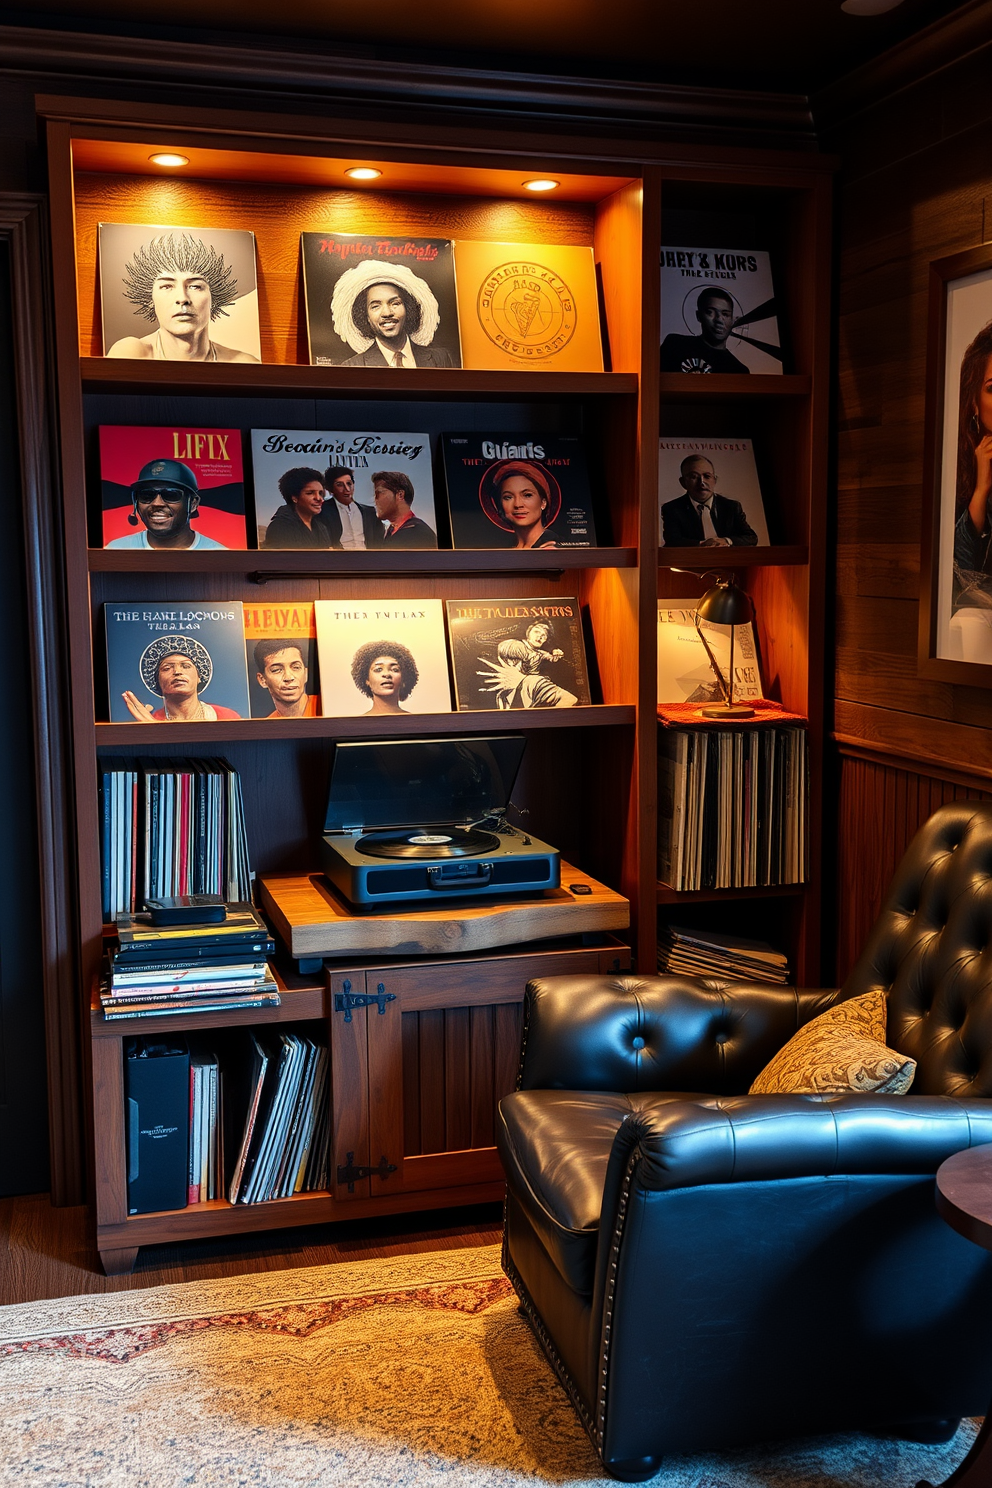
(171, 826)
(153, 971)
(732, 806)
(708, 953)
(206, 1130)
(284, 1145)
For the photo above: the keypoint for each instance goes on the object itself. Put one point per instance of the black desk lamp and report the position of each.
(725, 604)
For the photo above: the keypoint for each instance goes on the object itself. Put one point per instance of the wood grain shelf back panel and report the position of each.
(277, 214)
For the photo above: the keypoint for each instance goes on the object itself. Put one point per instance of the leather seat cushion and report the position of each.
(555, 1146)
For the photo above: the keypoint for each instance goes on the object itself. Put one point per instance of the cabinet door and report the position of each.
(348, 1040)
(443, 1049)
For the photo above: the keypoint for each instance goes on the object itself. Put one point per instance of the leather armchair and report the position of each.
(706, 1268)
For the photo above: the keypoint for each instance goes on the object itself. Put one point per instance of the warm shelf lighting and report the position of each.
(544, 183)
(169, 157)
(363, 173)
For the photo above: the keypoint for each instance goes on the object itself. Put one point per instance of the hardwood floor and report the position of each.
(47, 1252)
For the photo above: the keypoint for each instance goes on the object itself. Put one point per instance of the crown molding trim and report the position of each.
(278, 74)
(952, 39)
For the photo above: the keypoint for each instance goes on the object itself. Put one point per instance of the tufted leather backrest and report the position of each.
(629, 1033)
(931, 951)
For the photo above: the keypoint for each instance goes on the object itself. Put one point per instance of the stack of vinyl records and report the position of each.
(732, 806)
(154, 970)
(168, 827)
(284, 1146)
(705, 953)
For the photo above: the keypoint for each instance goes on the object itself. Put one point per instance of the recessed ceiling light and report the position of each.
(168, 157)
(544, 183)
(868, 7)
(363, 173)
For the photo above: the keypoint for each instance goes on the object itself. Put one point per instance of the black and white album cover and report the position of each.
(516, 491)
(709, 494)
(718, 311)
(382, 657)
(517, 653)
(380, 302)
(178, 294)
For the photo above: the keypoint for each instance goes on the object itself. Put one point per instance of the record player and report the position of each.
(416, 819)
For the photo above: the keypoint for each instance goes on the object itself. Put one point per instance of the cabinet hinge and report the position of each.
(349, 1174)
(346, 1000)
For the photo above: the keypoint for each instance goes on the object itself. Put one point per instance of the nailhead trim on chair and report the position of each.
(611, 1283)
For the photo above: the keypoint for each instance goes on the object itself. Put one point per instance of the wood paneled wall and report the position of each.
(881, 807)
(915, 185)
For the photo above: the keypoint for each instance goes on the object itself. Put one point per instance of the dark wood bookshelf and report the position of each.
(598, 715)
(454, 1026)
(264, 566)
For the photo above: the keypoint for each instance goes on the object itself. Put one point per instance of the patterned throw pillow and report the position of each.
(843, 1050)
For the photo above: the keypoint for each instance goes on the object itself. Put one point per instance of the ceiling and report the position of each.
(791, 46)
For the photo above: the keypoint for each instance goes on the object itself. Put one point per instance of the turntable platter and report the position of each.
(428, 842)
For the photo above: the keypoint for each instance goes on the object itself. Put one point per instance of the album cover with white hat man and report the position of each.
(380, 302)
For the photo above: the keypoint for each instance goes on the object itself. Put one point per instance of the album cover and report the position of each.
(288, 464)
(718, 311)
(709, 494)
(176, 663)
(514, 491)
(178, 294)
(373, 301)
(528, 305)
(685, 673)
(281, 651)
(171, 488)
(517, 653)
(382, 657)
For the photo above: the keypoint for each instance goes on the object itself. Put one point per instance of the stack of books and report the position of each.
(168, 827)
(706, 953)
(154, 970)
(732, 806)
(284, 1146)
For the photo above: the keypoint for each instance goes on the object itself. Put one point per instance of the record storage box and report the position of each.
(592, 793)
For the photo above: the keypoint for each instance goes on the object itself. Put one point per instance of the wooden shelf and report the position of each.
(713, 896)
(408, 724)
(687, 387)
(782, 555)
(374, 564)
(296, 1007)
(218, 1217)
(117, 375)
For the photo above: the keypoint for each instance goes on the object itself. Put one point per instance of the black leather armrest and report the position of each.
(657, 1033)
(746, 1139)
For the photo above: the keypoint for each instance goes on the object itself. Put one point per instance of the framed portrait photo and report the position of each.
(955, 641)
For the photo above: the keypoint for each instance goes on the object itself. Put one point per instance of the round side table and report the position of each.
(964, 1201)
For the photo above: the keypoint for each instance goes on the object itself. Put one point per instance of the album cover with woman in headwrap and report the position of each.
(176, 663)
(380, 302)
(518, 491)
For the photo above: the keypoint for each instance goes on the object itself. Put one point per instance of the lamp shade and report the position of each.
(726, 604)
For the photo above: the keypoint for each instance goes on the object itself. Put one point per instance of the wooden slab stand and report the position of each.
(313, 921)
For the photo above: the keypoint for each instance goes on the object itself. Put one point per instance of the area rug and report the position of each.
(410, 1373)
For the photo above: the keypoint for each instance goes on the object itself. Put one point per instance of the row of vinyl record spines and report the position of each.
(732, 807)
(171, 827)
(250, 1111)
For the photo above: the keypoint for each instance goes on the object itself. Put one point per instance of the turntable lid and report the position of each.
(416, 782)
